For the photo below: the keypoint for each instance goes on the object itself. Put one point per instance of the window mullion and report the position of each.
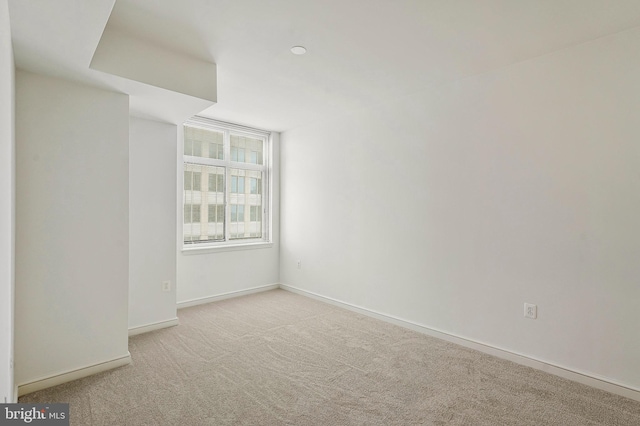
(263, 202)
(227, 184)
(206, 161)
(248, 166)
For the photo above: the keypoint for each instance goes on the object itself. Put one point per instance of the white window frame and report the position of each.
(227, 129)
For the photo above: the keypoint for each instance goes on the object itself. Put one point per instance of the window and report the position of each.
(191, 213)
(216, 182)
(225, 193)
(256, 185)
(192, 180)
(255, 214)
(237, 184)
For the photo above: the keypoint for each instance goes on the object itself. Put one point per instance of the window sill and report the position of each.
(204, 249)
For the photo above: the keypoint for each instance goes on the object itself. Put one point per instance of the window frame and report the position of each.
(266, 171)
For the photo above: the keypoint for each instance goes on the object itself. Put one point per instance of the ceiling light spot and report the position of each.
(298, 50)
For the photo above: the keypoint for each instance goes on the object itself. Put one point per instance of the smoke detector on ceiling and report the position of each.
(298, 50)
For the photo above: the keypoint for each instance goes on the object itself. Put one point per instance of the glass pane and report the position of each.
(187, 213)
(188, 179)
(203, 203)
(203, 143)
(234, 184)
(192, 180)
(188, 147)
(195, 213)
(197, 148)
(247, 149)
(216, 150)
(216, 182)
(255, 182)
(237, 184)
(197, 178)
(246, 204)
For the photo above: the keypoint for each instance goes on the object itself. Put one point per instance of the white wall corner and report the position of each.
(152, 222)
(124, 55)
(92, 325)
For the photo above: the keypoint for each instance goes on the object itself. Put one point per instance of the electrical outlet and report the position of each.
(299, 264)
(530, 311)
(166, 285)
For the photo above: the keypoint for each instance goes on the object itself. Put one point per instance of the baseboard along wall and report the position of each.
(152, 327)
(576, 376)
(566, 373)
(229, 295)
(68, 376)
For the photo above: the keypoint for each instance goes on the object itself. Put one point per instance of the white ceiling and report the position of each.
(360, 52)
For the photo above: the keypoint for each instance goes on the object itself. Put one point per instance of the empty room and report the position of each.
(320, 212)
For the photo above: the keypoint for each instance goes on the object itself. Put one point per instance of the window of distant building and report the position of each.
(225, 184)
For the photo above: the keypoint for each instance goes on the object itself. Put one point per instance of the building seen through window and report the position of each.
(224, 184)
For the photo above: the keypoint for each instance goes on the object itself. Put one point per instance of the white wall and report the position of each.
(205, 275)
(72, 226)
(120, 53)
(452, 207)
(152, 221)
(7, 201)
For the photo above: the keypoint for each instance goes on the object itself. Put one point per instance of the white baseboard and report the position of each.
(69, 376)
(209, 299)
(151, 327)
(564, 372)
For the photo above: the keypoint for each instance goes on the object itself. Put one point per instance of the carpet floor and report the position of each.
(278, 358)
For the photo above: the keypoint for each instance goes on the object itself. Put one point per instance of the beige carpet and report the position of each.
(277, 358)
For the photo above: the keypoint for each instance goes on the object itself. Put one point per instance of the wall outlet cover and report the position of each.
(530, 311)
